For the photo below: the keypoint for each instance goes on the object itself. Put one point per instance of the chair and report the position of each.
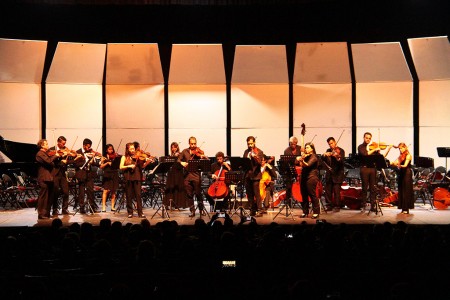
(10, 192)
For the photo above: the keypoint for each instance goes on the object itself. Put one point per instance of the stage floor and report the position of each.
(422, 214)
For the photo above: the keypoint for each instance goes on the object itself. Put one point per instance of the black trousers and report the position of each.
(60, 182)
(308, 189)
(133, 191)
(253, 195)
(193, 187)
(45, 197)
(369, 183)
(333, 192)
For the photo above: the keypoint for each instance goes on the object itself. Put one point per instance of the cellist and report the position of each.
(218, 170)
(266, 183)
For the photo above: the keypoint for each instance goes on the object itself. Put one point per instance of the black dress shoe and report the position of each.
(130, 216)
(65, 212)
(42, 217)
(142, 216)
(314, 216)
(303, 216)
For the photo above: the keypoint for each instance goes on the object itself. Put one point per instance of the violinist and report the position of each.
(85, 175)
(143, 156)
(333, 159)
(174, 149)
(45, 179)
(219, 168)
(368, 173)
(110, 177)
(132, 166)
(310, 178)
(59, 177)
(404, 179)
(253, 176)
(192, 179)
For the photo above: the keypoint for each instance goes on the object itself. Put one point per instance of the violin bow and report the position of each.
(337, 142)
(73, 145)
(120, 143)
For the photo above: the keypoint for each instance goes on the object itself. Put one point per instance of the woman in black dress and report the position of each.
(310, 178)
(110, 177)
(405, 179)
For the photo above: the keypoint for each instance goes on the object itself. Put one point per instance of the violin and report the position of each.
(197, 152)
(141, 155)
(375, 145)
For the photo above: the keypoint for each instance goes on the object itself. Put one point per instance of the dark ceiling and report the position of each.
(234, 22)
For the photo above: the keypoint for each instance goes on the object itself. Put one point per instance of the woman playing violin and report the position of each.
(110, 177)
(404, 179)
(192, 181)
(174, 149)
(132, 171)
(310, 178)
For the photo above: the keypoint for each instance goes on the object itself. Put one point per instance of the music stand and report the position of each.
(286, 167)
(374, 161)
(237, 178)
(444, 152)
(197, 166)
(115, 164)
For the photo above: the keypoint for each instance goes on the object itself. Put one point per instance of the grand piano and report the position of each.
(15, 156)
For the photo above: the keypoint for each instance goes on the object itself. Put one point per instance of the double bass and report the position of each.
(218, 189)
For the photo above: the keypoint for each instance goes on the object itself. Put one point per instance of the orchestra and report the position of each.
(184, 186)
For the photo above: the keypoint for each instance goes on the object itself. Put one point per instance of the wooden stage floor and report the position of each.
(422, 214)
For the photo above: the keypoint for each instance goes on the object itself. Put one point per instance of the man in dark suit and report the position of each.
(253, 176)
(333, 159)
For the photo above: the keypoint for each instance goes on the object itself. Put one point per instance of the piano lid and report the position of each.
(17, 152)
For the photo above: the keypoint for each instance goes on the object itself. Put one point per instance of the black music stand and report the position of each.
(444, 152)
(115, 164)
(163, 167)
(197, 166)
(286, 167)
(379, 162)
(237, 178)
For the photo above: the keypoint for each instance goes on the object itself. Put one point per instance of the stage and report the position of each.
(422, 214)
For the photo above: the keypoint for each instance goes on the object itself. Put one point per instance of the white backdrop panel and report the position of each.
(430, 139)
(384, 104)
(20, 111)
(197, 106)
(197, 64)
(152, 138)
(22, 60)
(21, 135)
(388, 135)
(260, 64)
(74, 106)
(434, 104)
(77, 63)
(210, 140)
(380, 62)
(134, 106)
(133, 64)
(271, 140)
(321, 62)
(268, 104)
(431, 57)
(323, 105)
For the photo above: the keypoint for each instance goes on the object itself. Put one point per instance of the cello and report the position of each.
(218, 189)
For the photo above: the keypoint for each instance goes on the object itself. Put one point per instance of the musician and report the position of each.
(266, 184)
(404, 179)
(192, 179)
(253, 176)
(132, 167)
(59, 177)
(219, 167)
(333, 159)
(368, 173)
(85, 175)
(45, 179)
(310, 178)
(110, 177)
(174, 149)
(293, 148)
